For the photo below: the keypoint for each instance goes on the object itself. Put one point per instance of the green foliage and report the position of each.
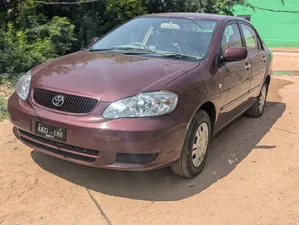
(58, 33)
(32, 33)
(3, 107)
(118, 11)
(20, 50)
(212, 6)
(201, 6)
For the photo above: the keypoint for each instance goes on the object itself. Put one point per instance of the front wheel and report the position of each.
(195, 147)
(258, 107)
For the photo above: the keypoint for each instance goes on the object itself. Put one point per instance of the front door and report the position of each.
(234, 78)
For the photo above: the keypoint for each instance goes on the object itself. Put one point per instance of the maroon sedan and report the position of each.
(149, 94)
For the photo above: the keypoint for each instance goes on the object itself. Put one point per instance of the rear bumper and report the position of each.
(123, 144)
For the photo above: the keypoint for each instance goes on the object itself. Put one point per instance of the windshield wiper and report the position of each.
(130, 49)
(179, 56)
(134, 50)
(99, 50)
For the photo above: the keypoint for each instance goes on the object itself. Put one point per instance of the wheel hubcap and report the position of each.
(200, 144)
(262, 99)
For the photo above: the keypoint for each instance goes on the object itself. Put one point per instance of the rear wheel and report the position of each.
(195, 147)
(258, 108)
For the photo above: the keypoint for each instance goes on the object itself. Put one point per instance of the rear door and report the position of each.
(234, 78)
(257, 58)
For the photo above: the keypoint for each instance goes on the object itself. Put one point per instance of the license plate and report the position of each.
(51, 132)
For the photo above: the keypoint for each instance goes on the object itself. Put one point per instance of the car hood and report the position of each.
(107, 76)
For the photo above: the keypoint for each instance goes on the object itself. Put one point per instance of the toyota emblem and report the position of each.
(58, 100)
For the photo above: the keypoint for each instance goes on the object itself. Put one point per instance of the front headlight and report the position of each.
(143, 105)
(23, 85)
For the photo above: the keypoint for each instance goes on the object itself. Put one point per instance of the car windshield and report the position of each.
(160, 37)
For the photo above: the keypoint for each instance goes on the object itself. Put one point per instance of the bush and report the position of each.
(20, 50)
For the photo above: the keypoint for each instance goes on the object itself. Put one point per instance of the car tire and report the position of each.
(258, 107)
(195, 147)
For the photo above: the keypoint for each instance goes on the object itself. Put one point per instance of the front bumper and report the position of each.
(122, 144)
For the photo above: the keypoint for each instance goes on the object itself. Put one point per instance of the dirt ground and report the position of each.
(251, 177)
(286, 60)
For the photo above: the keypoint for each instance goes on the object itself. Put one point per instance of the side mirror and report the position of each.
(235, 54)
(93, 40)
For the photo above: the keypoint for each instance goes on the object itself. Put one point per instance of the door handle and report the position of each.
(264, 58)
(247, 66)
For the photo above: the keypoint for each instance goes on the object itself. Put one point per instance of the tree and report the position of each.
(22, 49)
(201, 6)
(158, 6)
(213, 6)
(32, 32)
(118, 11)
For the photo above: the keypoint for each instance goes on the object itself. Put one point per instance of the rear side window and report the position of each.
(231, 37)
(250, 37)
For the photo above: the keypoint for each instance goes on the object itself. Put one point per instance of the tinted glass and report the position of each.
(162, 35)
(250, 38)
(231, 37)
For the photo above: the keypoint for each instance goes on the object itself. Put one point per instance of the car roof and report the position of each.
(196, 16)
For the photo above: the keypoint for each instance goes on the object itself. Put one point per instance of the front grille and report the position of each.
(72, 103)
(61, 145)
(135, 158)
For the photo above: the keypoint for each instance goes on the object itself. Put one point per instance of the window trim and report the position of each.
(220, 55)
(260, 46)
(243, 16)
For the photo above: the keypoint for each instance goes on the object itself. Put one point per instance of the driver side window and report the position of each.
(231, 37)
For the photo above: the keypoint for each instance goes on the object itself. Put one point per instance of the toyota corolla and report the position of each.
(149, 94)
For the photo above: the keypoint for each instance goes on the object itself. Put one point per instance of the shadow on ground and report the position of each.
(227, 150)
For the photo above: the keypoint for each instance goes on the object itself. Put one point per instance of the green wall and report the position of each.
(277, 29)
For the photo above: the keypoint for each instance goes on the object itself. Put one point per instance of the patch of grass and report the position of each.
(3, 107)
(7, 85)
(9, 80)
